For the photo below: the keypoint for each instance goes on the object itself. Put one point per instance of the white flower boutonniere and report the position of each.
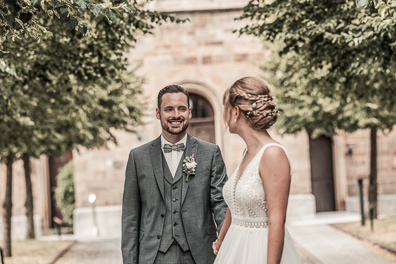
(189, 166)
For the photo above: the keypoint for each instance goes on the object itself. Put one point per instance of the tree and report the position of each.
(70, 89)
(339, 69)
(64, 193)
(24, 18)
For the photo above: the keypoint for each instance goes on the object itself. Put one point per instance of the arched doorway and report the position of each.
(202, 123)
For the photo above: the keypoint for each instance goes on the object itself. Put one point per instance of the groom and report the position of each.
(168, 212)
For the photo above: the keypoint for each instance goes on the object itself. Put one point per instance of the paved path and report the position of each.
(317, 244)
(331, 246)
(94, 251)
(107, 251)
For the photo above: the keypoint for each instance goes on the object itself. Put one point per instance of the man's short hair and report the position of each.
(173, 88)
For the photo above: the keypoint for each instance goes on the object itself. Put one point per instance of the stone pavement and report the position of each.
(331, 246)
(94, 251)
(318, 243)
(328, 245)
(107, 251)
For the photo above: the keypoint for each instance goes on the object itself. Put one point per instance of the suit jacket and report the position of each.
(202, 203)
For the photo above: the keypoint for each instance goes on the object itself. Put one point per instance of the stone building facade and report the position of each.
(206, 57)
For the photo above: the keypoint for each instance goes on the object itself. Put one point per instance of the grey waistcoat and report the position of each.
(173, 224)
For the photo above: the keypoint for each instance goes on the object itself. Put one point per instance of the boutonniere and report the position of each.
(189, 166)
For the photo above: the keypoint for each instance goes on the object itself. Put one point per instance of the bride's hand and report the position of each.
(216, 246)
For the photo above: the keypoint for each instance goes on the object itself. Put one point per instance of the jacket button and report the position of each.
(159, 236)
(175, 224)
(174, 199)
(175, 188)
(162, 215)
(174, 212)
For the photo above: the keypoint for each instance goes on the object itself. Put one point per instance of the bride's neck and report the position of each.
(255, 139)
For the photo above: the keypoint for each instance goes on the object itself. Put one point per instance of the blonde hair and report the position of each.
(253, 97)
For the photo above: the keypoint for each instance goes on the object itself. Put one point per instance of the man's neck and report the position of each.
(173, 138)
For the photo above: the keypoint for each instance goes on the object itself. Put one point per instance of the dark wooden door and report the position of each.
(202, 129)
(322, 178)
(202, 123)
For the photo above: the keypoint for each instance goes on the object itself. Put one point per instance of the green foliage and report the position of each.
(72, 89)
(337, 65)
(64, 192)
(31, 19)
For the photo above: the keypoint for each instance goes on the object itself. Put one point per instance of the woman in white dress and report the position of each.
(257, 193)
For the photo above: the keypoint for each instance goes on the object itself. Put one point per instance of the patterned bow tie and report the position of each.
(168, 148)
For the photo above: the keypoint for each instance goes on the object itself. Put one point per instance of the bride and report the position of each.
(257, 193)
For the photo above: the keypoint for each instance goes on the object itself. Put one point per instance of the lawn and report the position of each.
(384, 231)
(34, 251)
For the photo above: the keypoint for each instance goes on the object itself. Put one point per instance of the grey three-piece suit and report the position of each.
(160, 211)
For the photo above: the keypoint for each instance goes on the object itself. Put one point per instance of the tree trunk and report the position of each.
(29, 198)
(7, 206)
(372, 196)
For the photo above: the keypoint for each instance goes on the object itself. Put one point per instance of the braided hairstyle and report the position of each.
(253, 97)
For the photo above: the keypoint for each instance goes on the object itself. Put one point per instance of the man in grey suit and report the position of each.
(169, 217)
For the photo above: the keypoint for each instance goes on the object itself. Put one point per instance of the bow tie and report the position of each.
(168, 148)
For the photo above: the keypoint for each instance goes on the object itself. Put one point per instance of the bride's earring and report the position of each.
(235, 120)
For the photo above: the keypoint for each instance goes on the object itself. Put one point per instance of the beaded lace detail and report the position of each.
(246, 197)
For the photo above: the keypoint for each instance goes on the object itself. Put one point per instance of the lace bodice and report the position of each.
(246, 197)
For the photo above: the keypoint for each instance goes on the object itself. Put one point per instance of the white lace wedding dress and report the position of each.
(247, 237)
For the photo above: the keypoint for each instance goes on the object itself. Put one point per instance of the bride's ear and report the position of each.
(237, 113)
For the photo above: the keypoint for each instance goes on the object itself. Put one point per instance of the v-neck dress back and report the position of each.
(246, 241)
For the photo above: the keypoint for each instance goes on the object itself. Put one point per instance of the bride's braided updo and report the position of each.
(253, 97)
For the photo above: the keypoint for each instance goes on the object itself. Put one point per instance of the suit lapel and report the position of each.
(156, 162)
(191, 148)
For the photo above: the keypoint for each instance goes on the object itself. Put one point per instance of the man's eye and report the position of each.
(168, 110)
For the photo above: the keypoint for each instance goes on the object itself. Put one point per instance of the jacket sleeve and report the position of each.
(218, 179)
(130, 215)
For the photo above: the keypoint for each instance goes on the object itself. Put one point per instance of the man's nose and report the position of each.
(177, 113)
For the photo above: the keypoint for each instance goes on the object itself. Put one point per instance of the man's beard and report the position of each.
(169, 130)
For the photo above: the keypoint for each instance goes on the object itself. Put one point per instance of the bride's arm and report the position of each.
(223, 232)
(275, 174)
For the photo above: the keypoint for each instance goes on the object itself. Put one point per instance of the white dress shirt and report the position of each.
(173, 158)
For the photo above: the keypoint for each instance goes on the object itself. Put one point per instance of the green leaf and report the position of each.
(361, 3)
(72, 23)
(83, 3)
(12, 72)
(82, 29)
(10, 20)
(127, 9)
(64, 10)
(111, 15)
(96, 9)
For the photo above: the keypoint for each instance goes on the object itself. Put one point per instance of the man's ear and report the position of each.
(189, 113)
(157, 114)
